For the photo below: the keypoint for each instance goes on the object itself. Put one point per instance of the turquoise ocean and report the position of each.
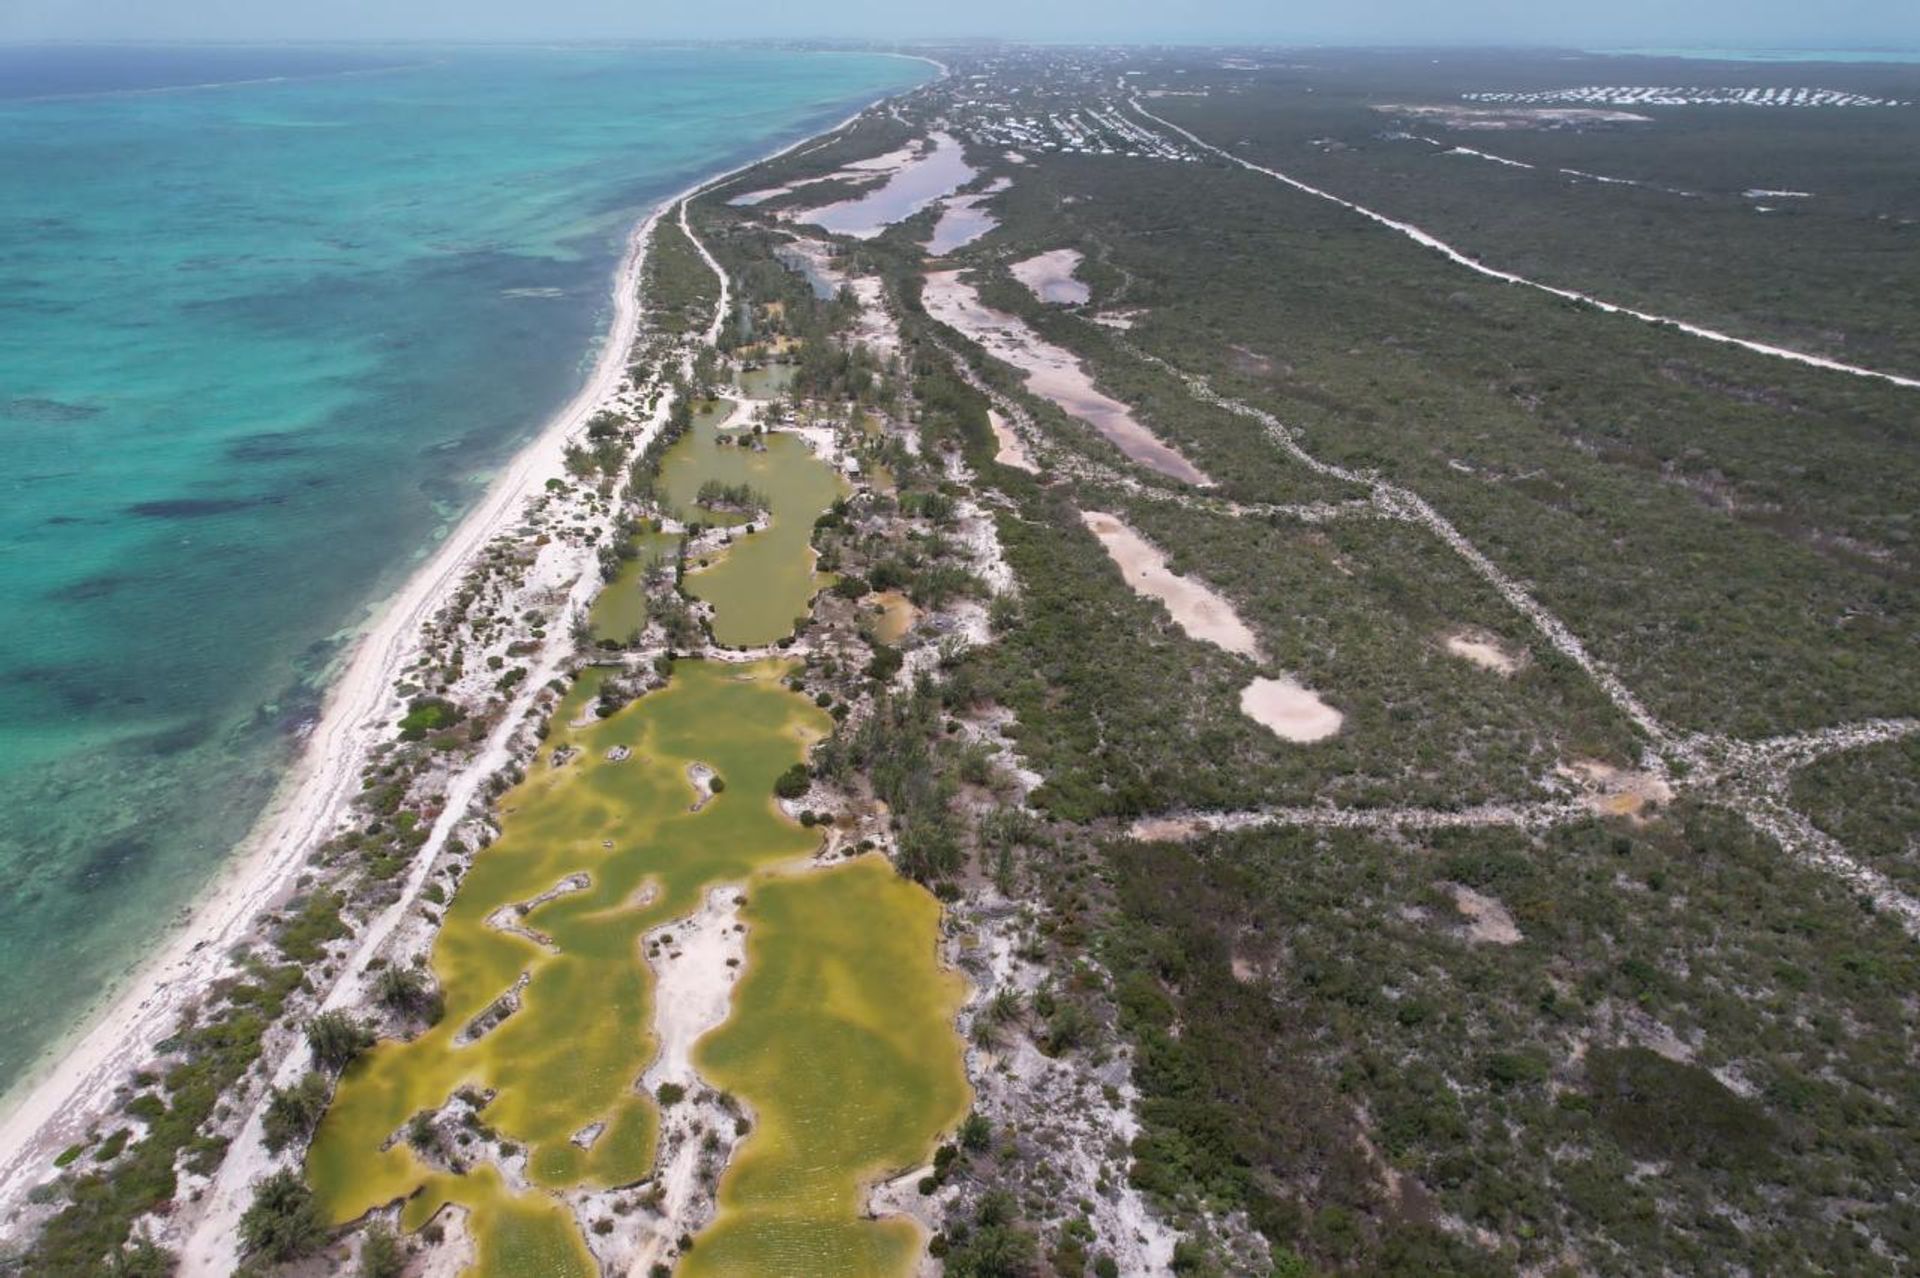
(268, 320)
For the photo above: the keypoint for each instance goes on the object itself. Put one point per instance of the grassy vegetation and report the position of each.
(680, 289)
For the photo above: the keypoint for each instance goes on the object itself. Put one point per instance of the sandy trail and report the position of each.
(1454, 255)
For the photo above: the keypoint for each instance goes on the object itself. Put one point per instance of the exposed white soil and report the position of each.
(1050, 277)
(1196, 608)
(1011, 452)
(1052, 373)
(1483, 650)
(1122, 320)
(1289, 711)
(694, 974)
(1083, 1114)
(1488, 922)
(455, 1253)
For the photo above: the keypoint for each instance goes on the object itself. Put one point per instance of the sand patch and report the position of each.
(1488, 921)
(1012, 451)
(1483, 650)
(1289, 711)
(1166, 829)
(1122, 320)
(695, 962)
(1049, 277)
(1612, 791)
(1196, 609)
(1052, 373)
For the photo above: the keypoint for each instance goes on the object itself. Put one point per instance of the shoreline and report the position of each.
(76, 1077)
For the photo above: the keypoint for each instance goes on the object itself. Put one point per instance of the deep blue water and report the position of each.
(259, 346)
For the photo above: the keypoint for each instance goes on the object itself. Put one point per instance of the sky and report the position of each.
(1831, 24)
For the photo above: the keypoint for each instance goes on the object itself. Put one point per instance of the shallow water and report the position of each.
(765, 579)
(620, 610)
(962, 221)
(842, 1044)
(1053, 373)
(940, 172)
(840, 1038)
(259, 346)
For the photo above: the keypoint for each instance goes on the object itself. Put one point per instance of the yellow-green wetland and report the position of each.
(842, 1044)
(763, 581)
(840, 1040)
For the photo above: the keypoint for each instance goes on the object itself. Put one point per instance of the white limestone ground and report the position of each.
(1050, 277)
(1488, 921)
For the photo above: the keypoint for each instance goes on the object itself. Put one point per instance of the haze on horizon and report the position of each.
(1719, 23)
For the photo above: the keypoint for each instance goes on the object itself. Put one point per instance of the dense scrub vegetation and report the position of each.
(1643, 1077)
(1731, 532)
(1820, 272)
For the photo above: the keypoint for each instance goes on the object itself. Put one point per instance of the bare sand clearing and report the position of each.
(1289, 710)
(1483, 650)
(694, 972)
(1196, 609)
(1613, 791)
(1052, 373)
(1049, 277)
(1012, 451)
(1122, 320)
(1488, 921)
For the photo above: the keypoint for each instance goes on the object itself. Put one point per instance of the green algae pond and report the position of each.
(619, 611)
(761, 584)
(842, 1044)
(840, 1040)
(608, 849)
